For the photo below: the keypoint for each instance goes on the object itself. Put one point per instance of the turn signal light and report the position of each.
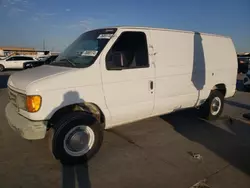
(33, 103)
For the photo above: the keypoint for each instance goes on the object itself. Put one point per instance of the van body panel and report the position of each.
(174, 66)
(183, 68)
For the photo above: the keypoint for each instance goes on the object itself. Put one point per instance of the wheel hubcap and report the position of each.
(215, 106)
(79, 140)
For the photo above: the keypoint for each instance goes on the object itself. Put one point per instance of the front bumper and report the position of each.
(30, 130)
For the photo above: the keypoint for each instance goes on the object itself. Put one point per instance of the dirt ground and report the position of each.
(176, 150)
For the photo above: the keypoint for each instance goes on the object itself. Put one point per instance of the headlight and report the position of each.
(29, 103)
(33, 103)
(21, 101)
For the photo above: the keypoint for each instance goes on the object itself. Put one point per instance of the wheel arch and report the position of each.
(221, 87)
(87, 107)
(2, 65)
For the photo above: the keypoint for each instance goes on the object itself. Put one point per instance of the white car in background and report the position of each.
(14, 62)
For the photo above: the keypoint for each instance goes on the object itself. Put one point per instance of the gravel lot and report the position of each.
(176, 150)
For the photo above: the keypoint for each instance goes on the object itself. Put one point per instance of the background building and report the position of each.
(8, 50)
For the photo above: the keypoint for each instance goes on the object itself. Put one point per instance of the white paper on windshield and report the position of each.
(92, 53)
(105, 36)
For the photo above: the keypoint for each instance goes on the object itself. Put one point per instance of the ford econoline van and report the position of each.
(114, 76)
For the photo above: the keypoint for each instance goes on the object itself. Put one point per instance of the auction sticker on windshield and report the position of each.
(105, 36)
(89, 53)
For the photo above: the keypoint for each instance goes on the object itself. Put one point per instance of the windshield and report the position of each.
(85, 49)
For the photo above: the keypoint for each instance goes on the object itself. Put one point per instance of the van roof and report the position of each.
(164, 29)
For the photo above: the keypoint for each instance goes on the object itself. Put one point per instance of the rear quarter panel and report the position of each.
(221, 62)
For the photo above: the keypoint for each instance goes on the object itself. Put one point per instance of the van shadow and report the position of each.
(199, 69)
(237, 104)
(3, 81)
(231, 143)
(73, 176)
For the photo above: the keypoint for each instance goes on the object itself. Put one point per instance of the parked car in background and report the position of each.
(246, 81)
(14, 62)
(42, 58)
(47, 61)
(243, 64)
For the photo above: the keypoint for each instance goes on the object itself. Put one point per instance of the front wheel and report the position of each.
(213, 107)
(77, 138)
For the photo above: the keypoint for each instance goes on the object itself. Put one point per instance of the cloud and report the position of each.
(19, 10)
(80, 25)
(67, 10)
(86, 24)
(15, 11)
(42, 15)
(35, 18)
(14, 2)
(14, 7)
(22, 4)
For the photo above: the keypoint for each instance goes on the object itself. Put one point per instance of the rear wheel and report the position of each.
(1, 68)
(77, 138)
(213, 107)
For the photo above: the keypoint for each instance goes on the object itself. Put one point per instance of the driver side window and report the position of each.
(11, 59)
(132, 51)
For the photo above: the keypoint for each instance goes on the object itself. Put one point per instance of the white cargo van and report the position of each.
(113, 76)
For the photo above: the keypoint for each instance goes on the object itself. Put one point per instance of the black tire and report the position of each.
(1, 68)
(206, 109)
(65, 125)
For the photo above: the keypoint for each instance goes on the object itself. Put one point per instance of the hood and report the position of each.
(20, 80)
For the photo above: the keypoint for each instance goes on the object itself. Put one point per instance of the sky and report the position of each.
(27, 23)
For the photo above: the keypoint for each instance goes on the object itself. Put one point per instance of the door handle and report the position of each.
(151, 83)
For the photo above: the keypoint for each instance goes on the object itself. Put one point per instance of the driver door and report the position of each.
(129, 90)
(11, 63)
